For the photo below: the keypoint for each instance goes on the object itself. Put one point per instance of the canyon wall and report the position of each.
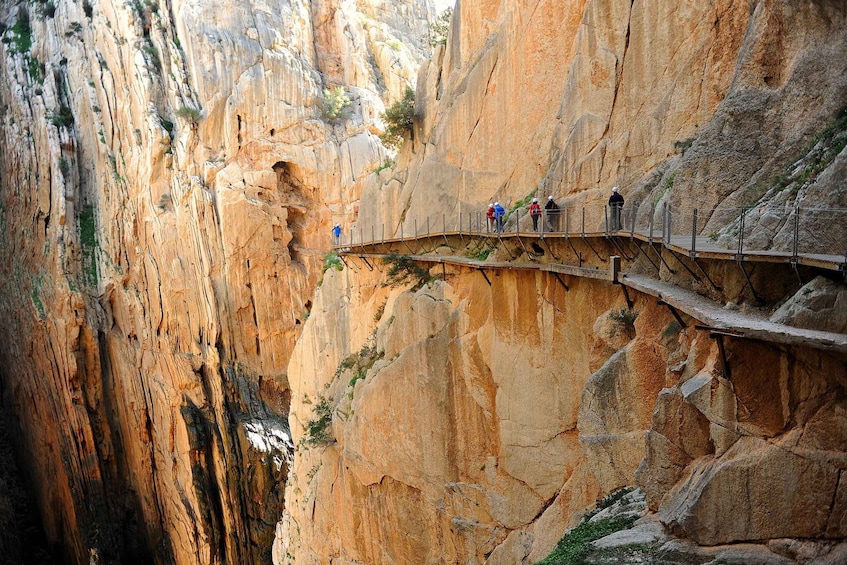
(503, 410)
(169, 176)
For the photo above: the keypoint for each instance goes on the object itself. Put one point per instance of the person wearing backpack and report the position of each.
(534, 213)
(499, 213)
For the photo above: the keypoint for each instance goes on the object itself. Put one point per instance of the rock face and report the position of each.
(169, 172)
(476, 437)
(168, 179)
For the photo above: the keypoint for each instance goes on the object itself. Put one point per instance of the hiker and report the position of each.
(336, 234)
(490, 216)
(552, 211)
(615, 205)
(534, 213)
(499, 213)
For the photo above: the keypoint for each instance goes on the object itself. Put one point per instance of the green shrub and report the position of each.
(189, 114)
(399, 119)
(403, 269)
(439, 31)
(318, 428)
(576, 544)
(332, 261)
(334, 105)
(88, 242)
(36, 70)
(64, 118)
(19, 36)
(386, 165)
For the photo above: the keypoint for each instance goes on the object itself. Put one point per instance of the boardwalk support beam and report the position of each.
(705, 274)
(561, 282)
(673, 310)
(749, 282)
(485, 276)
(718, 336)
(629, 302)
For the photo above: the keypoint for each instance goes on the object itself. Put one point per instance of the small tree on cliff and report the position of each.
(439, 30)
(399, 119)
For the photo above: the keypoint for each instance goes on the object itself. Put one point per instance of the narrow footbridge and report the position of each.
(598, 254)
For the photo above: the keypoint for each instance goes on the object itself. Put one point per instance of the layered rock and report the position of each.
(475, 430)
(699, 106)
(167, 186)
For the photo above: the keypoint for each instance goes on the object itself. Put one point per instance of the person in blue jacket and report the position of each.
(336, 234)
(499, 213)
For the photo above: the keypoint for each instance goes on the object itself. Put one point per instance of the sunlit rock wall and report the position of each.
(168, 181)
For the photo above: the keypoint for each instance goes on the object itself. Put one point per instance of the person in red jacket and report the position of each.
(490, 216)
(535, 213)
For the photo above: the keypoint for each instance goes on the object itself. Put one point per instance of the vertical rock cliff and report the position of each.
(462, 422)
(169, 173)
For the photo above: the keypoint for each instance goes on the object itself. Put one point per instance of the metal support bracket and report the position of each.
(561, 282)
(485, 276)
(629, 303)
(705, 274)
(718, 336)
(749, 282)
(366, 262)
(673, 310)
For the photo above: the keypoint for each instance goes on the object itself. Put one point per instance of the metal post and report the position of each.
(796, 251)
(416, 228)
(383, 233)
(460, 221)
(567, 222)
(517, 222)
(401, 232)
(583, 221)
(606, 215)
(543, 221)
(427, 226)
(741, 235)
(443, 223)
(652, 219)
(351, 237)
(694, 232)
(373, 233)
(633, 215)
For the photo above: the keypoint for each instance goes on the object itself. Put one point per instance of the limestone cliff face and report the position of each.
(455, 417)
(706, 105)
(168, 178)
(469, 423)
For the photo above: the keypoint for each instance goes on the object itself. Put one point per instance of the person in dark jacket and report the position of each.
(534, 213)
(552, 211)
(615, 205)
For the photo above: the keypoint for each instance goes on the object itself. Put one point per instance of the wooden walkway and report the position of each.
(711, 315)
(698, 247)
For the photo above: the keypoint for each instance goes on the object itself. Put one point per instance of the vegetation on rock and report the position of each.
(334, 105)
(399, 119)
(403, 269)
(440, 28)
(318, 431)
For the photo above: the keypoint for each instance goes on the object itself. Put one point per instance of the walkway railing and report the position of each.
(767, 232)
